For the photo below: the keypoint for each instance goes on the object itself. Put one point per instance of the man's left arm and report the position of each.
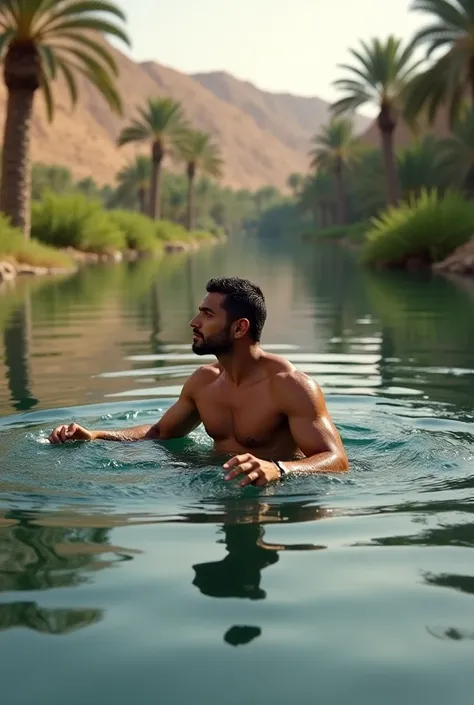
(301, 400)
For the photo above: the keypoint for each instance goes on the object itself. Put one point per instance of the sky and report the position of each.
(289, 46)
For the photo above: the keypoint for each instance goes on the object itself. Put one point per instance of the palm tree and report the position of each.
(317, 196)
(134, 182)
(161, 123)
(336, 149)
(380, 74)
(200, 154)
(420, 168)
(40, 40)
(451, 77)
(295, 182)
(456, 157)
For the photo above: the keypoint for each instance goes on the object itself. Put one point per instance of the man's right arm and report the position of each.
(178, 421)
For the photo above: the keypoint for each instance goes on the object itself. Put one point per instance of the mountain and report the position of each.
(263, 137)
(293, 119)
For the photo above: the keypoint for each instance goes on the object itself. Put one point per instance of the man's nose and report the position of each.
(194, 323)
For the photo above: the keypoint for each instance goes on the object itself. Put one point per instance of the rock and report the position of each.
(28, 269)
(7, 271)
(176, 247)
(461, 261)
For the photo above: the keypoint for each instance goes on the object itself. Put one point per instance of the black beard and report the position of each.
(218, 345)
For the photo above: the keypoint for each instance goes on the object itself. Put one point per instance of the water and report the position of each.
(133, 571)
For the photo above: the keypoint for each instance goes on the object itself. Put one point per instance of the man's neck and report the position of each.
(240, 364)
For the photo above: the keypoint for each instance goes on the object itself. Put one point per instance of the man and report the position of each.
(256, 406)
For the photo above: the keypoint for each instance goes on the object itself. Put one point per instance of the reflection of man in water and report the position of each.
(239, 573)
(271, 419)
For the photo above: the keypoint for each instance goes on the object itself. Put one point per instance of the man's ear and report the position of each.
(241, 327)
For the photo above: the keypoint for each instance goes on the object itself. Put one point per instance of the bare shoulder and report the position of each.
(296, 392)
(200, 378)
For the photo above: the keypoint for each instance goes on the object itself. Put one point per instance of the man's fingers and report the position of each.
(243, 467)
(63, 434)
(251, 477)
(237, 460)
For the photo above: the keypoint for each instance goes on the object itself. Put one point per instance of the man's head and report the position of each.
(233, 310)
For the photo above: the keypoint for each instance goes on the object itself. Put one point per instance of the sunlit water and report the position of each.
(134, 572)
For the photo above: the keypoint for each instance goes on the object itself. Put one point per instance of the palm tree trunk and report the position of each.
(155, 190)
(471, 77)
(387, 128)
(191, 172)
(16, 168)
(142, 199)
(341, 196)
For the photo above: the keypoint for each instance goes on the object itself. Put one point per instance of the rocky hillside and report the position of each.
(263, 137)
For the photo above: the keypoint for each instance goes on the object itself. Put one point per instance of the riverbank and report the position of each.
(35, 259)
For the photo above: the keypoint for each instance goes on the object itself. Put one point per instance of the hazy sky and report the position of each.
(279, 45)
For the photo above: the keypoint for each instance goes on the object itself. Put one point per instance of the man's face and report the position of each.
(211, 330)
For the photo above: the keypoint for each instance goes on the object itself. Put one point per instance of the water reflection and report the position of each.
(35, 557)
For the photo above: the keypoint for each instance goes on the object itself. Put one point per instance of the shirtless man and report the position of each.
(257, 407)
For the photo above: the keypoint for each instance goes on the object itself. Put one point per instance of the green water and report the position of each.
(134, 573)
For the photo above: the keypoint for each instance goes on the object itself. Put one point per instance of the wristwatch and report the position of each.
(282, 468)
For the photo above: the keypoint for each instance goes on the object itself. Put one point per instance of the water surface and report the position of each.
(134, 572)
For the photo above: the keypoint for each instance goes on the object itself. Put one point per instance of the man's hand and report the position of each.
(258, 472)
(73, 432)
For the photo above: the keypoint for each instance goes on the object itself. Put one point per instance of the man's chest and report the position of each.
(248, 415)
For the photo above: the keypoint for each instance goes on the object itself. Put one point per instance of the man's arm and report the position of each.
(301, 400)
(179, 420)
(311, 426)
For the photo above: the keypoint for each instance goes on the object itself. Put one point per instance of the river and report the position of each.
(134, 572)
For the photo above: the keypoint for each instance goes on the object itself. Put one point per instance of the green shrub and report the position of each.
(167, 231)
(139, 230)
(14, 246)
(425, 229)
(354, 232)
(72, 220)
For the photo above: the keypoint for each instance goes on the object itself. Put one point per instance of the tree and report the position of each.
(451, 77)
(134, 182)
(456, 158)
(380, 74)
(200, 154)
(295, 182)
(161, 123)
(335, 150)
(317, 196)
(40, 40)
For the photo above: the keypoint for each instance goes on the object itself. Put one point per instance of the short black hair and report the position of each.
(243, 300)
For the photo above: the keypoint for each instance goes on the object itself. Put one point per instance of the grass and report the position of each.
(13, 246)
(425, 229)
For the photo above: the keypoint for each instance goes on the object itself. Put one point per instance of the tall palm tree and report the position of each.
(40, 40)
(161, 123)
(134, 182)
(200, 154)
(451, 77)
(335, 150)
(380, 74)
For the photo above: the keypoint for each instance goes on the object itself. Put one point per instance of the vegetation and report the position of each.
(161, 124)
(380, 74)
(199, 153)
(335, 150)
(40, 41)
(447, 81)
(14, 247)
(420, 231)
(73, 220)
